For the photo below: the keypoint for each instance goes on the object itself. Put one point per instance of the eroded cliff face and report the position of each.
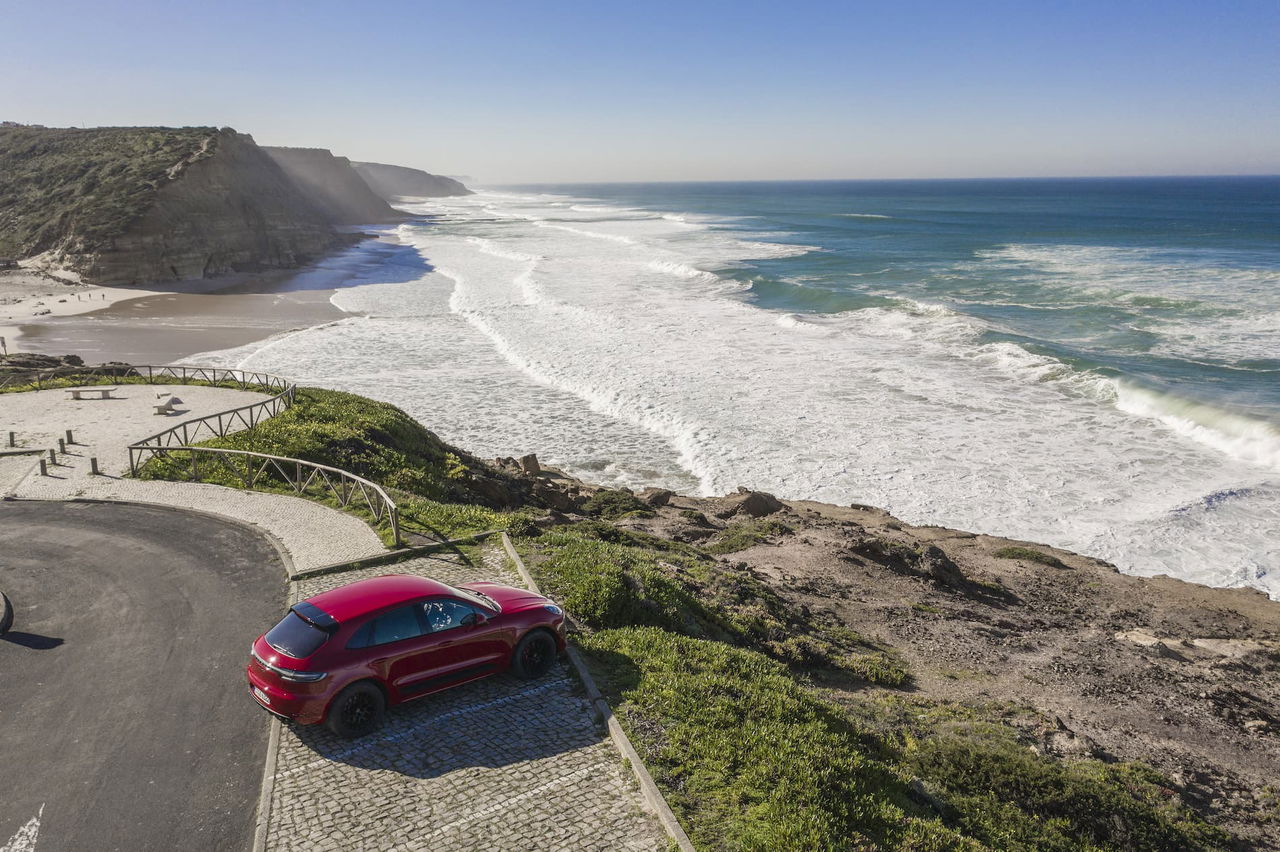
(392, 182)
(333, 186)
(231, 210)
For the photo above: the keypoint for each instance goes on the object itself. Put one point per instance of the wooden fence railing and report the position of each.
(248, 468)
(303, 477)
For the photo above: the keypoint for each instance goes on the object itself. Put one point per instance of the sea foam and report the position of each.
(594, 345)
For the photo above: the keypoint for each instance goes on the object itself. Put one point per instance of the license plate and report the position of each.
(262, 696)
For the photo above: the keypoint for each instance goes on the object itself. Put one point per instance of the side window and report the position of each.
(398, 624)
(445, 614)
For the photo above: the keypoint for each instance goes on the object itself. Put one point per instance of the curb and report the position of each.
(652, 795)
(389, 558)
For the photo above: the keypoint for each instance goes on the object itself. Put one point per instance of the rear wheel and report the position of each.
(358, 710)
(533, 655)
(6, 614)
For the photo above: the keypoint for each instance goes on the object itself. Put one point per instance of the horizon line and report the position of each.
(1198, 176)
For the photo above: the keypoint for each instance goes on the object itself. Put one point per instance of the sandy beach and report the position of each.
(161, 323)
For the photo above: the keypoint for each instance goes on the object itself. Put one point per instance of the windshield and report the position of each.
(479, 598)
(295, 637)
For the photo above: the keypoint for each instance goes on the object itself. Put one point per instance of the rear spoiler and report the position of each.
(315, 616)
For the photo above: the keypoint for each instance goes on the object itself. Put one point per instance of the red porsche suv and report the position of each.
(343, 656)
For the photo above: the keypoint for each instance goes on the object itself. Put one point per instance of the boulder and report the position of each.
(757, 504)
(935, 564)
(529, 464)
(656, 497)
(553, 497)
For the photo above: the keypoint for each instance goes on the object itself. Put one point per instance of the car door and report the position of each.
(399, 648)
(466, 646)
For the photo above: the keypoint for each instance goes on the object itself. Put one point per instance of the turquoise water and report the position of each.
(1173, 283)
(1093, 364)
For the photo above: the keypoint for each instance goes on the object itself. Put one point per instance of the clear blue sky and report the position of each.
(564, 91)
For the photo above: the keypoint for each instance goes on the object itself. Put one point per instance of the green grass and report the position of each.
(86, 185)
(1009, 797)
(740, 536)
(1027, 554)
(751, 758)
(435, 485)
(608, 577)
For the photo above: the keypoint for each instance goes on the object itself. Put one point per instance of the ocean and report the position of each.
(1092, 364)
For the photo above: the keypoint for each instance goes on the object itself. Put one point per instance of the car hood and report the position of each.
(510, 599)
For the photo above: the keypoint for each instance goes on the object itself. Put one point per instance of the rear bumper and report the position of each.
(303, 709)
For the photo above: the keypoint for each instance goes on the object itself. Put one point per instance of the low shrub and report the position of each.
(612, 505)
(740, 536)
(1028, 554)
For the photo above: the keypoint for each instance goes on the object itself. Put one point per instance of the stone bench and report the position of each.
(167, 404)
(102, 392)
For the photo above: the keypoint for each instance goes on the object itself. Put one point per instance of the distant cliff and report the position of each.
(333, 186)
(392, 182)
(122, 205)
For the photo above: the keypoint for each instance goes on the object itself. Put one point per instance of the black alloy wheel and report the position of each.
(357, 711)
(534, 655)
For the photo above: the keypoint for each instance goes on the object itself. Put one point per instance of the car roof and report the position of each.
(364, 596)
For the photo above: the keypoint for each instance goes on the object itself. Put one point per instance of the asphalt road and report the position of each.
(125, 721)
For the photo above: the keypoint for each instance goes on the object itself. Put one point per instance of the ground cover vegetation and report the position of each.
(436, 486)
(86, 185)
(769, 729)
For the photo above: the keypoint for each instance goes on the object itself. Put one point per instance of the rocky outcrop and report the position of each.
(333, 186)
(392, 182)
(233, 209)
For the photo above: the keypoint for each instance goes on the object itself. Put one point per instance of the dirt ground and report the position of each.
(1183, 677)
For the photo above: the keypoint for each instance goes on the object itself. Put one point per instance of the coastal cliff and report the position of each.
(139, 205)
(393, 182)
(333, 186)
(232, 210)
(127, 205)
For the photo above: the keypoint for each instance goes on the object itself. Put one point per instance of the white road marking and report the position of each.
(25, 839)
(373, 743)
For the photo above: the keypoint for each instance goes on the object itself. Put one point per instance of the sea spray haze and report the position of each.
(1094, 364)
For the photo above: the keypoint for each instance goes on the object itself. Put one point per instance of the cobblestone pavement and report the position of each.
(497, 764)
(313, 534)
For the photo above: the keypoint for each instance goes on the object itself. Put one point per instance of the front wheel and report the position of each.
(533, 655)
(357, 711)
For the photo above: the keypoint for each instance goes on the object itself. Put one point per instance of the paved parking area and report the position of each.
(124, 719)
(498, 764)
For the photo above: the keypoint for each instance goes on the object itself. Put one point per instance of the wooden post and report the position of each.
(13, 439)
(53, 459)
(62, 446)
(44, 471)
(93, 467)
(70, 440)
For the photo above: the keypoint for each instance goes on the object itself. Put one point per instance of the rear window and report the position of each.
(295, 638)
